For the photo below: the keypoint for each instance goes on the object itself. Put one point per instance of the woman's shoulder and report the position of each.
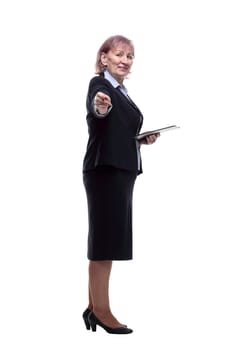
(99, 80)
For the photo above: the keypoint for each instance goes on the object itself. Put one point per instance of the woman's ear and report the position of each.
(103, 59)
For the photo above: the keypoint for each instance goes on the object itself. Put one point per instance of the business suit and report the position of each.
(111, 164)
(111, 139)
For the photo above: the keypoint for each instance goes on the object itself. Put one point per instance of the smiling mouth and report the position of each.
(123, 68)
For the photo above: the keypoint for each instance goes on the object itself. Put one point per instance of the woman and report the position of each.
(111, 164)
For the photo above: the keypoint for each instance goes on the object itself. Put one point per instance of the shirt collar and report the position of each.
(114, 82)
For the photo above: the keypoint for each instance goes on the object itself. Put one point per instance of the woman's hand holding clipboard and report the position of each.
(142, 136)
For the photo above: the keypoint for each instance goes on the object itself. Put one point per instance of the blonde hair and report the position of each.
(107, 45)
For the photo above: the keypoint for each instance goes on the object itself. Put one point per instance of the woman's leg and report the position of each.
(90, 305)
(99, 275)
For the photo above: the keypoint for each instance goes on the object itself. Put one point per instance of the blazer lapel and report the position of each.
(127, 98)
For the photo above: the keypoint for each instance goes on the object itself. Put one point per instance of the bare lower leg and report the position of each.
(90, 305)
(99, 275)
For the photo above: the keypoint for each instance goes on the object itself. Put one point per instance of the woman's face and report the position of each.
(118, 61)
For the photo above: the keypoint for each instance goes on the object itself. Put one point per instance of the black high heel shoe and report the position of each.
(85, 318)
(94, 321)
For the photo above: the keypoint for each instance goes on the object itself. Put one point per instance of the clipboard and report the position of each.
(156, 131)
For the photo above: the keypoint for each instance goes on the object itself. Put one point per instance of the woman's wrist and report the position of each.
(102, 111)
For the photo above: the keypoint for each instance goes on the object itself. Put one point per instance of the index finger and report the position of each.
(102, 95)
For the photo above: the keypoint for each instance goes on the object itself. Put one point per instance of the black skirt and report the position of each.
(109, 198)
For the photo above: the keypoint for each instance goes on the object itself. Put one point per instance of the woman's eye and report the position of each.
(122, 54)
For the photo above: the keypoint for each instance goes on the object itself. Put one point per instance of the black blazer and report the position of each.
(111, 138)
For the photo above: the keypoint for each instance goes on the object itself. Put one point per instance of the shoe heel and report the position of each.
(87, 324)
(93, 327)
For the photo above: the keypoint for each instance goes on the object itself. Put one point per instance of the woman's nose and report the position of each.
(124, 59)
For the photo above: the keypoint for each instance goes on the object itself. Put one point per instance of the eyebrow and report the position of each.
(121, 51)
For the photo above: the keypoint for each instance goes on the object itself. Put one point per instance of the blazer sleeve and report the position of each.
(97, 84)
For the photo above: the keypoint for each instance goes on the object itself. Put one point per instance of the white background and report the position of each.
(177, 292)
